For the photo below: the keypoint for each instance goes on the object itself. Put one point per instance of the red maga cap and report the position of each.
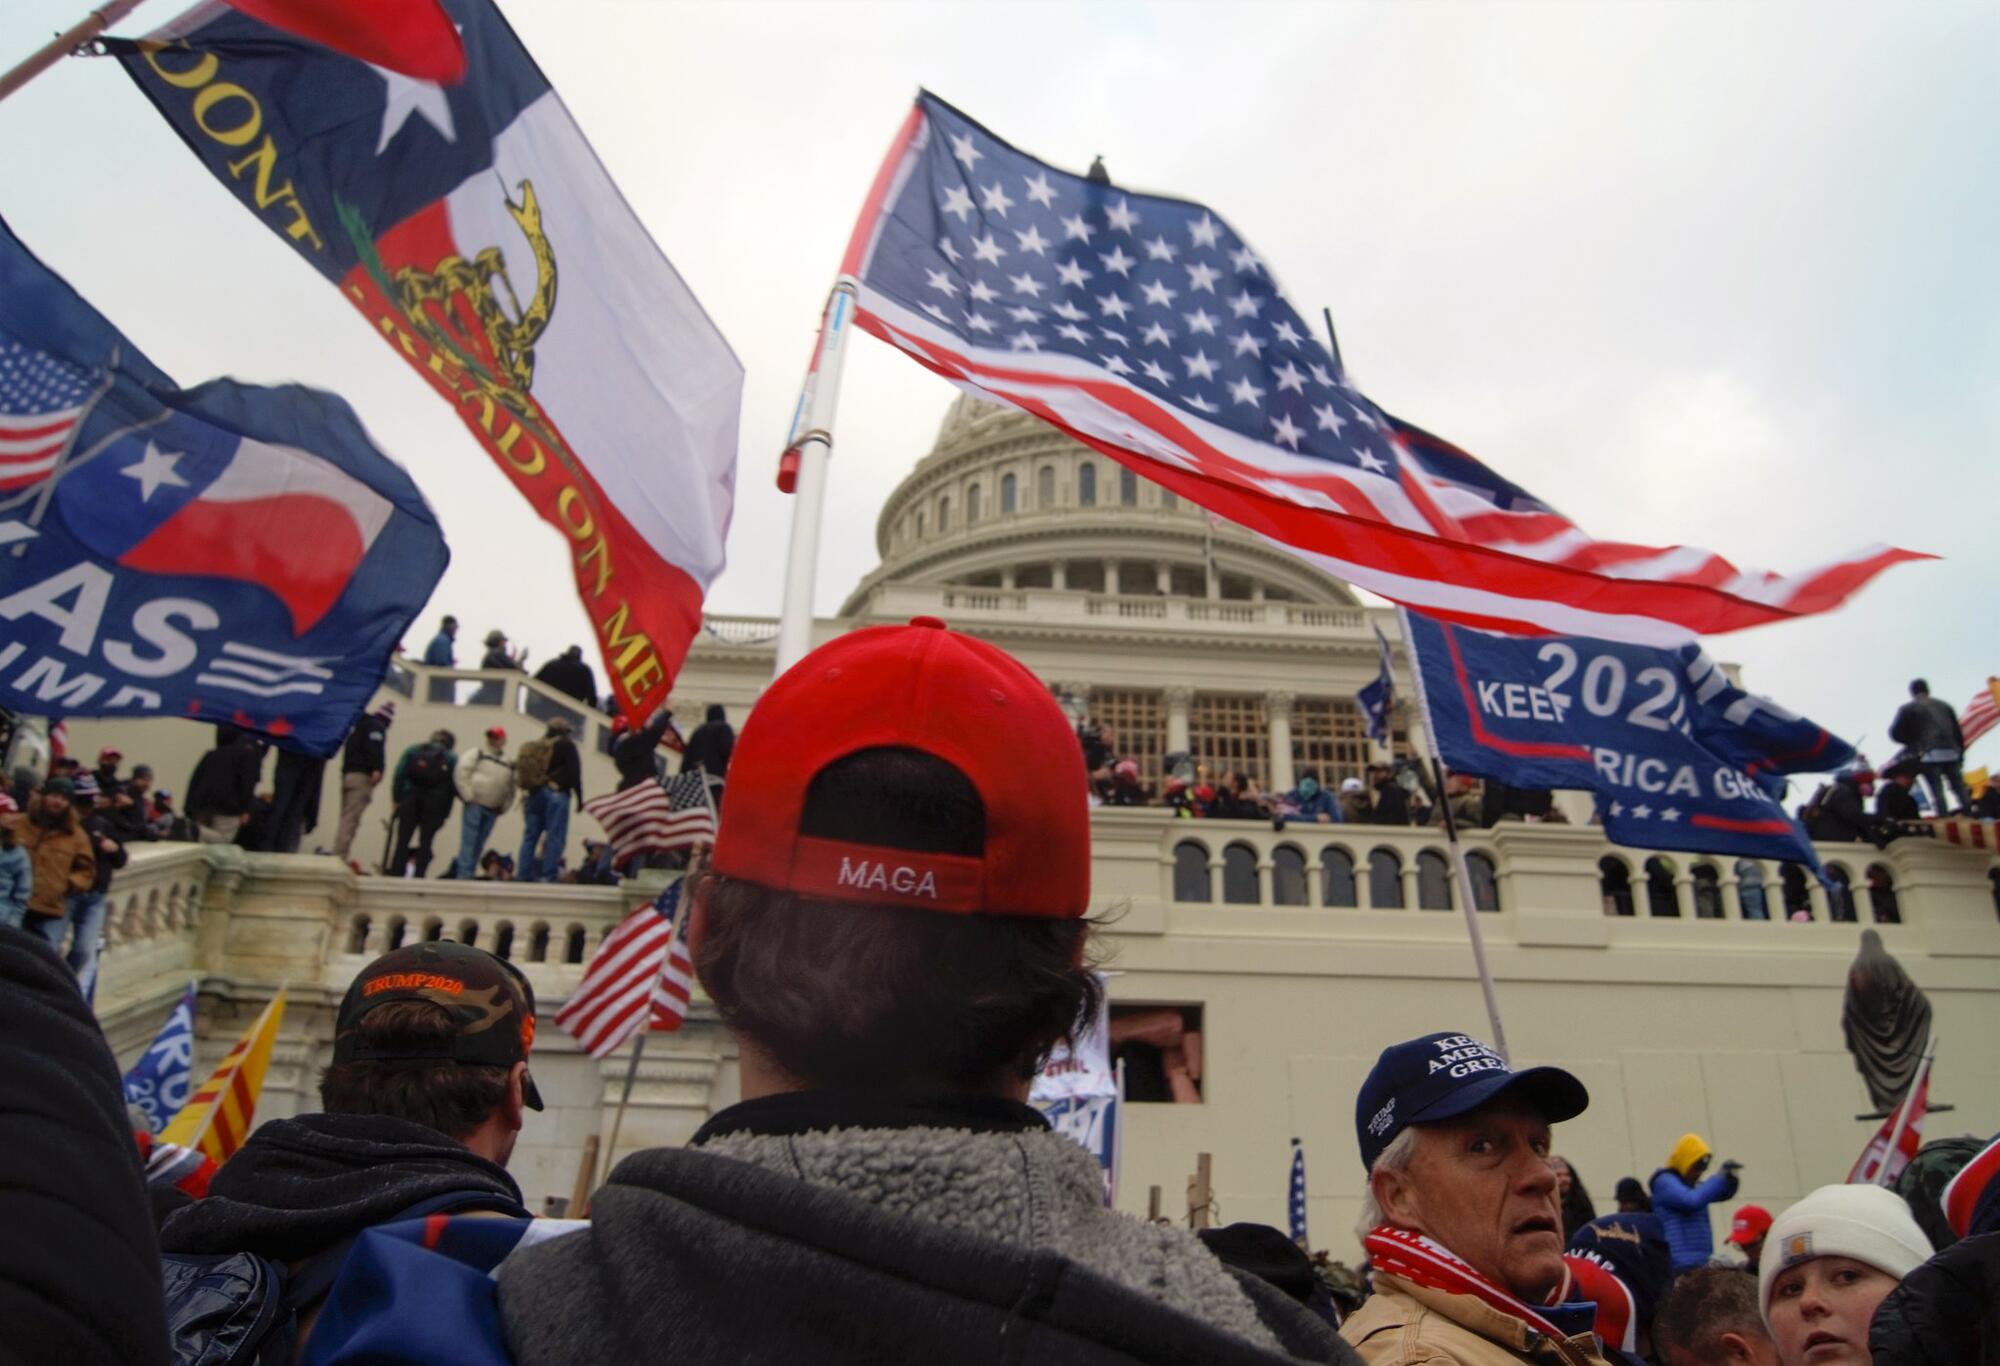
(926, 688)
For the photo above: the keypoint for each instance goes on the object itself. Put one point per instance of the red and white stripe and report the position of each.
(1867, 1169)
(673, 989)
(1982, 714)
(1421, 1261)
(31, 443)
(1408, 535)
(1970, 834)
(615, 997)
(641, 820)
(1961, 1194)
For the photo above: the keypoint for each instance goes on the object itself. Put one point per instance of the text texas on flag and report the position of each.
(1679, 756)
(475, 229)
(227, 553)
(1146, 327)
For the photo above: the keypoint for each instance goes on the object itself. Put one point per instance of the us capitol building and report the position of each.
(1256, 973)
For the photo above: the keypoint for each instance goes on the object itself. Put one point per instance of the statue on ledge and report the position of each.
(1887, 1020)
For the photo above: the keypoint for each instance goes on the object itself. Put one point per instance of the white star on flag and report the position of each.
(405, 96)
(154, 468)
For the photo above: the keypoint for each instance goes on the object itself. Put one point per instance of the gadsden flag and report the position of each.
(475, 229)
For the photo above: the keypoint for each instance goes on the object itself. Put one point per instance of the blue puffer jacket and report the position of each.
(17, 880)
(1683, 1211)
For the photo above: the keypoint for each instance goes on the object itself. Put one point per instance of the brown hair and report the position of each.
(452, 1097)
(1703, 1305)
(841, 994)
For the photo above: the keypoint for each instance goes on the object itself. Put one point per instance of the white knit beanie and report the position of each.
(1868, 1223)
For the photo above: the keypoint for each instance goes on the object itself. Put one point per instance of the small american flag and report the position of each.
(650, 818)
(1147, 328)
(1983, 714)
(674, 987)
(1296, 1206)
(41, 401)
(619, 990)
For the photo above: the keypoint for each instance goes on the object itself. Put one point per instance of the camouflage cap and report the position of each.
(489, 1000)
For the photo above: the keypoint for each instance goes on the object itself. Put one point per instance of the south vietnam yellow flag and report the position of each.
(217, 1118)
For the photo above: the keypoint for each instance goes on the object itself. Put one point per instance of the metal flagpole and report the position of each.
(625, 1096)
(1472, 930)
(805, 465)
(64, 43)
(1903, 1110)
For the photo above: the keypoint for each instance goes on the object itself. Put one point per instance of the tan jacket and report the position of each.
(63, 862)
(1407, 1325)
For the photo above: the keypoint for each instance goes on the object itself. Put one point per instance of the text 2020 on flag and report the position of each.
(477, 232)
(1146, 327)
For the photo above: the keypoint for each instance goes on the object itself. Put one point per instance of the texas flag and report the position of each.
(481, 238)
(228, 552)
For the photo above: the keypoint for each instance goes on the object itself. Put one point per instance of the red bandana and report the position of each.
(1424, 1262)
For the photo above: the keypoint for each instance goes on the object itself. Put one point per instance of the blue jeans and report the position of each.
(472, 837)
(544, 813)
(86, 916)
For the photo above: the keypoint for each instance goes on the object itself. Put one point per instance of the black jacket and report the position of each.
(367, 747)
(1924, 723)
(225, 781)
(299, 1185)
(79, 1264)
(1842, 818)
(571, 676)
(98, 825)
(1897, 803)
(1946, 1312)
(1392, 804)
(633, 753)
(713, 741)
(565, 766)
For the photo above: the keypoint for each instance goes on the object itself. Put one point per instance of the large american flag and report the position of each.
(640, 976)
(1982, 713)
(1146, 327)
(41, 401)
(650, 818)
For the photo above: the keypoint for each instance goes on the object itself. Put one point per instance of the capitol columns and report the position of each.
(1178, 698)
(1278, 711)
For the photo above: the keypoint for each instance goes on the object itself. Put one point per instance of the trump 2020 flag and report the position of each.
(157, 1085)
(1295, 1201)
(1145, 326)
(1378, 698)
(228, 553)
(1679, 756)
(481, 238)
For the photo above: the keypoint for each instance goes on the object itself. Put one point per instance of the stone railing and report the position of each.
(151, 925)
(1047, 606)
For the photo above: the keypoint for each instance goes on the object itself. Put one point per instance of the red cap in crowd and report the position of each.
(1751, 1223)
(107, 754)
(957, 699)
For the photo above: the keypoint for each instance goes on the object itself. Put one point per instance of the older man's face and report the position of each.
(1481, 1184)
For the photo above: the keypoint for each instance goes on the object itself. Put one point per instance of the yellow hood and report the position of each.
(1686, 1153)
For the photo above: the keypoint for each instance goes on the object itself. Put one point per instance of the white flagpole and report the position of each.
(1903, 1110)
(1472, 930)
(812, 443)
(63, 44)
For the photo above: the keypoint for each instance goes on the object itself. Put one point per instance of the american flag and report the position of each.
(1147, 328)
(1983, 713)
(41, 401)
(635, 978)
(650, 818)
(1296, 1205)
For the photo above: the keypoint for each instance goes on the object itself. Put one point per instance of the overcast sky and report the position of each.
(1720, 274)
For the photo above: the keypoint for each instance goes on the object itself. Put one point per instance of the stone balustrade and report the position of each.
(1044, 606)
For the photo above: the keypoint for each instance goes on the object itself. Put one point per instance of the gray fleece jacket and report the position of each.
(918, 1230)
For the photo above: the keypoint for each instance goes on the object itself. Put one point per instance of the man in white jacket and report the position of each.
(485, 781)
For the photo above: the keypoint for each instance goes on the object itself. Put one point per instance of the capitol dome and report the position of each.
(1003, 500)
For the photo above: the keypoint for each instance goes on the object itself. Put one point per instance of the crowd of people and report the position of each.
(894, 931)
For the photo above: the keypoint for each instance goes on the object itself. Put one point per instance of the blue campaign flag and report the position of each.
(1296, 1205)
(1378, 699)
(158, 1083)
(1678, 755)
(226, 553)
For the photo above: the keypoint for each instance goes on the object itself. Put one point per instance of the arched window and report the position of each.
(1239, 875)
(1485, 881)
(1385, 880)
(1086, 484)
(1707, 892)
(920, 523)
(1614, 880)
(1045, 487)
(1662, 897)
(1008, 492)
(538, 943)
(1433, 881)
(468, 932)
(944, 513)
(503, 940)
(357, 935)
(1336, 877)
(1882, 895)
(1128, 487)
(1288, 876)
(397, 927)
(972, 501)
(1750, 890)
(1798, 901)
(573, 942)
(1191, 880)
(1840, 893)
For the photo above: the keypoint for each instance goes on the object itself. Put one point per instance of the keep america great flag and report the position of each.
(476, 231)
(1146, 327)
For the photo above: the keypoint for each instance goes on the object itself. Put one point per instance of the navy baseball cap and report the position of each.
(1441, 1076)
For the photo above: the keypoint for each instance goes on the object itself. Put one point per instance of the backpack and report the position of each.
(430, 767)
(531, 765)
(242, 1309)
